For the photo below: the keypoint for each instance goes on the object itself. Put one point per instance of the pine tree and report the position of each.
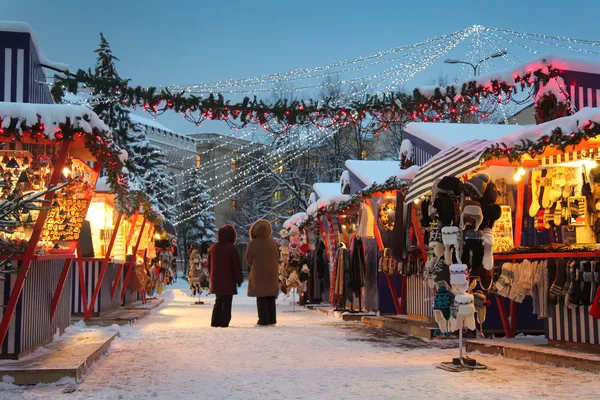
(112, 112)
(201, 228)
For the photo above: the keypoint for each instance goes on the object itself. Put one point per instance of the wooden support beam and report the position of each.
(127, 243)
(397, 304)
(133, 260)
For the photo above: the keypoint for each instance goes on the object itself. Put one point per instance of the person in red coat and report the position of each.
(225, 274)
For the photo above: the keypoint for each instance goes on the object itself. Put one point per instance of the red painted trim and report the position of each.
(397, 304)
(537, 256)
(505, 323)
(419, 233)
(513, 318)
(519, 212)
(33, 241)
(133, 260)
(59, 287)
(88, 314)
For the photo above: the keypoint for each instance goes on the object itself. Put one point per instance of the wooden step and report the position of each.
(403, 325)
(68, 357)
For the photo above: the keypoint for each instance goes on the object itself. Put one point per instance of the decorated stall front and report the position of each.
(390, 258)
(104, 252)
(52, 153)
(511, 227)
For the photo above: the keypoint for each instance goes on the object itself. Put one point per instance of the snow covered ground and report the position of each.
(175, 354)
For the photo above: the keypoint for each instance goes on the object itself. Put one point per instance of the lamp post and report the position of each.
(476, 66)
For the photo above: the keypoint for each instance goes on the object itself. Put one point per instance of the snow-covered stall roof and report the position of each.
(295, 219)
(569, 124)
(51, 116)
(24, 27)
(370, 172)
(321, 203)
(149, 122)
(324, 190)
(508, 75)
(444, 135)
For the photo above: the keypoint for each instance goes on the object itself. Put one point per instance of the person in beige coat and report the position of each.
(262, 256)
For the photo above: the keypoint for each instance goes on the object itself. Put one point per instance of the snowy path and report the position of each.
(175, 354)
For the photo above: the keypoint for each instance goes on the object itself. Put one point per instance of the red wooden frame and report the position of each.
(87, 313)
(28, 257)
(133, 260)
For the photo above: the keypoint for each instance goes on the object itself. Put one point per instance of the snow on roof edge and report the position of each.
(24, 27)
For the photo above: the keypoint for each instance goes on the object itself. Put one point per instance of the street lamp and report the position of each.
(475, 66)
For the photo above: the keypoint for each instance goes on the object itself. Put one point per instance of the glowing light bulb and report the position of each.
(66, 171)
(517, 177)
(521, 171)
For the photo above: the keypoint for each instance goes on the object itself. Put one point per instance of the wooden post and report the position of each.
(513, 318)
(120, 270)
(81, 272)
(33, 242)
(503, 318)
(88, 313)
(132, 262)
(59, 287)
(519, 212)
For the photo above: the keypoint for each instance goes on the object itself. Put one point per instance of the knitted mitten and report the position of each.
(560, 277)
(586, 284)
(488, 249)
(535, 192)
(572, 298)
(503, 283)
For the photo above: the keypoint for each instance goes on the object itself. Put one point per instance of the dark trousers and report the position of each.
(267, 314)
(221, 314)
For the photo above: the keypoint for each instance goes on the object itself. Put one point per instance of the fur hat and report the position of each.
(464, 303)
(491, 214)
(490, 195)
(450, 185)
(473, 212)
(445, 207)
(458, 274)
(476, 186)
(480, 306)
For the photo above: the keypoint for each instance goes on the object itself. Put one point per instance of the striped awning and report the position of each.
(455, 161)
(572, 156)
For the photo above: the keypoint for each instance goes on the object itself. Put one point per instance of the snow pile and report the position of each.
(408, 173)
(407, 149)
(325, 202)
(327, 189)
(24, 27)
(295, 219)
(51, 116)
(556, 87)
(445, 135)
(573, 123)
(371, 172)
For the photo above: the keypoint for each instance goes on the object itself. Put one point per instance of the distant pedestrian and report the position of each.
(262, 256)
(225, 275)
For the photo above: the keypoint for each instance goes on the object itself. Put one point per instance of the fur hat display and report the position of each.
(476, 186)
(450, 185)
(458, 274)
(490, 195)
(445, 208)
(491, 214)
(465, 304)
(473, 212)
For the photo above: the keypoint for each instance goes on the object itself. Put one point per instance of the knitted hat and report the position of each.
(484, 275)
(490, 195)
(475, 187)
(458, 274)
(440, 271)
(473, 212)
(491, 214)
(450, 185)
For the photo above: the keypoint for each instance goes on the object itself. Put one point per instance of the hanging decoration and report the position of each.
(387, 213)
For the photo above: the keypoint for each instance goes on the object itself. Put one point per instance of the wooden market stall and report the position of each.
(539, 255)
(45, 147)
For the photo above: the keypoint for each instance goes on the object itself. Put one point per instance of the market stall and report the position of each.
(46, 147)
(517, 217)
(104, 252)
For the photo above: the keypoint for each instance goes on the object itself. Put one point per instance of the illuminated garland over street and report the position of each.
(393, 184)
(438, 105)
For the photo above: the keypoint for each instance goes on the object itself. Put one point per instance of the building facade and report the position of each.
(222, 154)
